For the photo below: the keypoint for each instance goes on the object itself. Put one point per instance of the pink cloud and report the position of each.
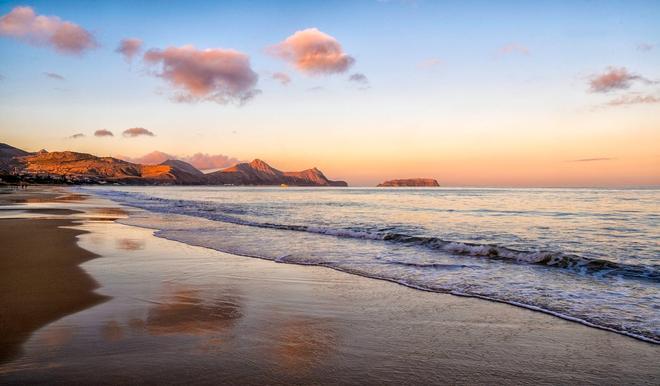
(153, 158)
(201, 161)
(513, 48)
(282, 78)
(215, 74)
(204, 161)
(615, 78)
(103, 133)
(76, 136)
(313, 52)
(137, 132)
(64, 36)
(129, 48)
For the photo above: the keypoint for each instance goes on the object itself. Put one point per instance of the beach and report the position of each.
(87, 299)
(41, 281)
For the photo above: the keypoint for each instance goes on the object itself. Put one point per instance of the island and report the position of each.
(410, 182)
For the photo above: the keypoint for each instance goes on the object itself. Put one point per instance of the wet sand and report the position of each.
(184, 314)
(40, 280)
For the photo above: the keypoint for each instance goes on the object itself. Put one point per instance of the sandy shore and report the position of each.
(40, 280)
(183, 314)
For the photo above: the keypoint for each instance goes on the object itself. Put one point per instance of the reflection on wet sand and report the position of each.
(205, 320)
(72, 197)
(113, 212)
(57, 336)
(42, 195)
(186, 311)
(130, 244)
(303, 343)
(112, 331)
(28, 199)
(181, 311)
(105, 214)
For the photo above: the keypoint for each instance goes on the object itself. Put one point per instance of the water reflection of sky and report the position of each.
(167, 301)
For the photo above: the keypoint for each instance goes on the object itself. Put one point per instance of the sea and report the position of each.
(591, 256)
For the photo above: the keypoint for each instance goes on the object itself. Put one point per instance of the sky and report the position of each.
(471, 93)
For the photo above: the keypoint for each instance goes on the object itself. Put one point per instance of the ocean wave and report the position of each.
(554, 259)
(600, 295)
(430, 265)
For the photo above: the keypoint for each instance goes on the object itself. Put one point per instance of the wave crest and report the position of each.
(555, 259)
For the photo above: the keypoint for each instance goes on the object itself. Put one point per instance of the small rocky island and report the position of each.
(410, 182)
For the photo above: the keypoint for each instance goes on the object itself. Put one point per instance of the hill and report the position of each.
(259, 172)
(73, 167)
(76, 167)
(8, 157)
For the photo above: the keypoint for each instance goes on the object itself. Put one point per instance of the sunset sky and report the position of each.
(470, 93)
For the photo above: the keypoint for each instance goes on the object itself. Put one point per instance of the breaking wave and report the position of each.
(555, 259)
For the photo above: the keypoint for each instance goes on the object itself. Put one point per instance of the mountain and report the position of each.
(8, 157)
(410, 182)
(311, 177)
(73, 167)
(7, 151)
(259, 172)
(256, 172)
(183, 166)
(86, 166)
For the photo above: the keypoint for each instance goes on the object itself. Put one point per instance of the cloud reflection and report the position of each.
(130, 244)
(112, 331)
(303, 343)
(188, 311)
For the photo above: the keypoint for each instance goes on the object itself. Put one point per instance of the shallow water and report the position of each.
(582, 254)
(177, 313)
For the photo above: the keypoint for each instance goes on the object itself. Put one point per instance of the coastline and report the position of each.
(175, 309)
